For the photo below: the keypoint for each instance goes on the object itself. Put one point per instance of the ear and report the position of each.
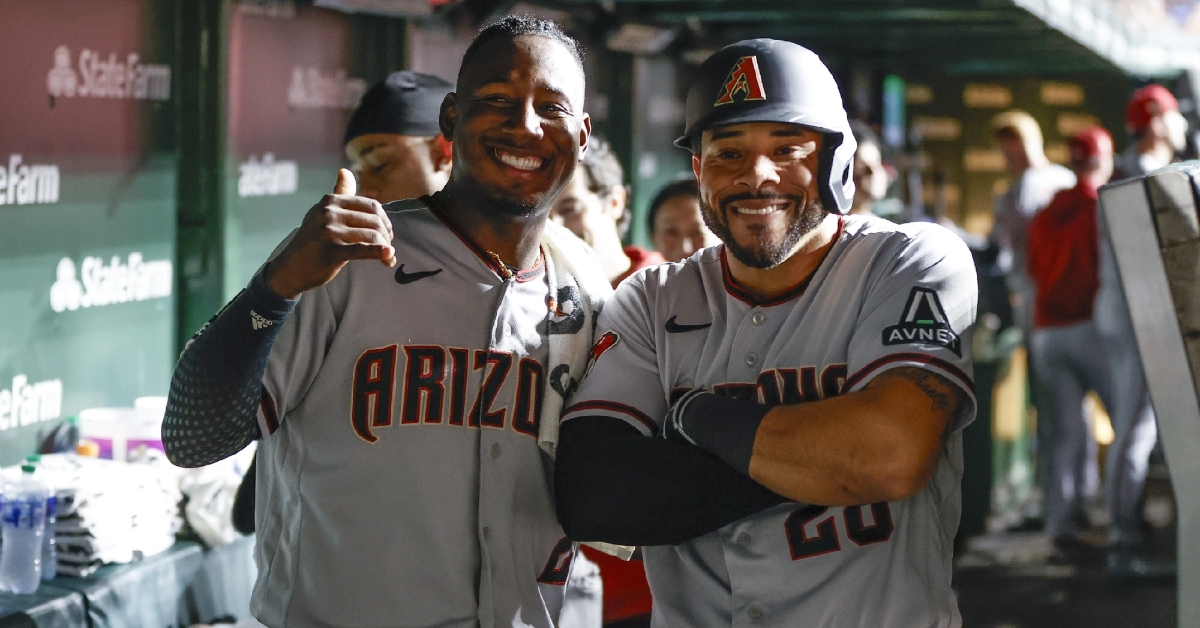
(448, 116)
(615, 202)
(441, 153)
(696, 165)
(585, 133)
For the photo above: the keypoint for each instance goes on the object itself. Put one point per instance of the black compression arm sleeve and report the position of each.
(217, 385)
(615, 485)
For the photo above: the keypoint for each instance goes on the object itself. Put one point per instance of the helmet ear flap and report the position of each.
(836, 195)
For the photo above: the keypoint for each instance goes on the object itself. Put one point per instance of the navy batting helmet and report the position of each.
(767, 80)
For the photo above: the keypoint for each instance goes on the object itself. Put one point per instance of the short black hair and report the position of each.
(513, 26)
(682, 187)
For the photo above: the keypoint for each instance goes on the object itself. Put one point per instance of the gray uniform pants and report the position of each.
(1134, 427)
(1069, 361)
(1135, 434)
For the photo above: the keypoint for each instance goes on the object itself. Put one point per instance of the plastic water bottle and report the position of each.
(24, 523)
(49, 545)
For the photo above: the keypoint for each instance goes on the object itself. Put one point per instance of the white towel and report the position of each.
(579, 289)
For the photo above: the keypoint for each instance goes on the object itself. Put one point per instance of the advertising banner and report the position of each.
(295, 76)
(87, 226)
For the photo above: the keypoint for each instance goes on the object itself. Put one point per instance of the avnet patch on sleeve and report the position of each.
(923, 321)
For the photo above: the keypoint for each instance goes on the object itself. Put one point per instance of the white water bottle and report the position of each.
(24, 522)
(49, 545)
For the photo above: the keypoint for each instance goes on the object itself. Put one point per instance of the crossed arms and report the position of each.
(877, 444)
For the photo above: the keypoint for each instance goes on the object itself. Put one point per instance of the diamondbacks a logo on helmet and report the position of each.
(745, 79)
(923, 322)
(603, 343)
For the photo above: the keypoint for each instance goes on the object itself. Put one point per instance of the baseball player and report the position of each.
(1035, 180)
(777, 418)
(1159, 131)
(393, 142)
(593, 207)
(396, 152)
(1063, 261)
(404, 405)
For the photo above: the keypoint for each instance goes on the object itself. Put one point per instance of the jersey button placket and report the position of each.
(755, 613)
(495, 450)
(757, 318)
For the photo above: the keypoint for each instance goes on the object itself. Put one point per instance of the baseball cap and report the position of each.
(1090, 142)
(1146, 103)
(405, 103)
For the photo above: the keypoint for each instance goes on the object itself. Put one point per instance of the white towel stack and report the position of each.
(110, 512)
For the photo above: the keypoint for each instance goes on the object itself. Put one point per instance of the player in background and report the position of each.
(405, 369)
(393, 142)
(1159, 133)
(1063, 261)
(593, 206)
(677, 228)
(1034, 181)
(870, 175)
(776, 419)
(1158, 130)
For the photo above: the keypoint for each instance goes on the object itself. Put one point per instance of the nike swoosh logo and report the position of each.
(404, 278)
(677, 328)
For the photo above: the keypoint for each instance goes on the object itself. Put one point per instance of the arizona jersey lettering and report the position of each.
(427, 498)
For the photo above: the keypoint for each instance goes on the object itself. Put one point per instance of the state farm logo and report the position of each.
(99, 284)
(26, 184)
(26, 403)
(267, 177)
(108, 78)
(313, 89)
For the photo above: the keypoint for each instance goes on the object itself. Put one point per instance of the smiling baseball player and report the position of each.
(404, 467)
(777, 418)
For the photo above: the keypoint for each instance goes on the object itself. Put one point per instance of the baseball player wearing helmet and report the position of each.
(777, 419)
(403, 472)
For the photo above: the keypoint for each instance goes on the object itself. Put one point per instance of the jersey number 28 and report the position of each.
(825, 541)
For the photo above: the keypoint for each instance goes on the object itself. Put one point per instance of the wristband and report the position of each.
(720, 425)
(264, 300)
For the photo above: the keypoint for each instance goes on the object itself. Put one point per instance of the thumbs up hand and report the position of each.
(339, 228)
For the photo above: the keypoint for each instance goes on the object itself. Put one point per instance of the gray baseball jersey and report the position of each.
(400, 480)
(885, 296)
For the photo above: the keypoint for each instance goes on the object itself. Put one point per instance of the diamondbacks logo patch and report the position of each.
(924, 322)
(605, 342)
(743, 79)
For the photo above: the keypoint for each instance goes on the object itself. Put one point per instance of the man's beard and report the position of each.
(766, 254)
